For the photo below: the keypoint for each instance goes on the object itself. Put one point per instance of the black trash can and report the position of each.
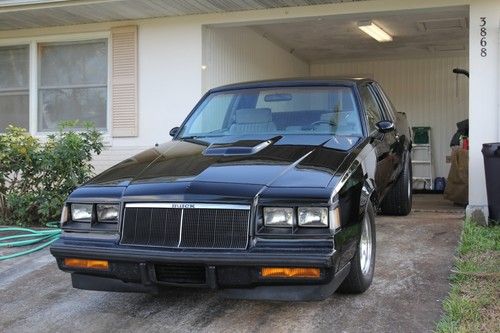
(491, 154)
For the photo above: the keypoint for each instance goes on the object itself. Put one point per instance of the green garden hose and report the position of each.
(26, 237)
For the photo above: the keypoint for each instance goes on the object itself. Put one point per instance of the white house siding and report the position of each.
(425, 88)
(240, 54)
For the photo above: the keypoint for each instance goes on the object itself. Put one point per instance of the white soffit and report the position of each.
(23, 14)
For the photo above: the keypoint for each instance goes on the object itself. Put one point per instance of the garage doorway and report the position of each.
(415, 68)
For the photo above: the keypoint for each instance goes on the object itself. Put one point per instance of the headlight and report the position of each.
(81, 212)
(313, 217)
(107, 213)
(279, 217)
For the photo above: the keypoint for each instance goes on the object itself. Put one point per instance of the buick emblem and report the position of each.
(183, 205)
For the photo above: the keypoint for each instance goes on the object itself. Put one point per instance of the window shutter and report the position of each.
(124, 81)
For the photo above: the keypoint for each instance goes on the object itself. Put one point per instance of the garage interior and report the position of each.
(415, 68)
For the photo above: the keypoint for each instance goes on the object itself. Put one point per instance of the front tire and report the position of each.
(398, 200)
(360, 274)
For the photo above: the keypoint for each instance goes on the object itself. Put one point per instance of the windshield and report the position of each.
(279, 111)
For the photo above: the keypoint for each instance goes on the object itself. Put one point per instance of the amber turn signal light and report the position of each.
(290, 272)
(86, 263)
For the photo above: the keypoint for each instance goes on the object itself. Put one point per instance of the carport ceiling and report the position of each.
(416, 33)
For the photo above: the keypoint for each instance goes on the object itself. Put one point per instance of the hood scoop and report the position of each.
(237, 148)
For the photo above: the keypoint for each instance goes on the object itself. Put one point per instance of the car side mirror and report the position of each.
(174, 131)
(385, 126)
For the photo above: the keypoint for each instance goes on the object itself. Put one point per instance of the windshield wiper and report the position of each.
(191, 137)
(195, 139)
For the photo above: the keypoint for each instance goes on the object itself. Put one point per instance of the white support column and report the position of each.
(484, 118)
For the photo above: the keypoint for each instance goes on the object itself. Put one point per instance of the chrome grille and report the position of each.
(186, 225)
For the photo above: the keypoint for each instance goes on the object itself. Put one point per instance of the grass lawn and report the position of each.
(473, 304)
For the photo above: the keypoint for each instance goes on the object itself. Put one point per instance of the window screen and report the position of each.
(72, 83)
(14, 85)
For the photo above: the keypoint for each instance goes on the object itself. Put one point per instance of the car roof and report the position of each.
(294, 82)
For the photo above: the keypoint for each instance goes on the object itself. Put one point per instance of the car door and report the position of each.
(380, 142)
(393, 139)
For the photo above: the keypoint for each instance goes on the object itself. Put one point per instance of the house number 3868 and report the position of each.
(483, 33)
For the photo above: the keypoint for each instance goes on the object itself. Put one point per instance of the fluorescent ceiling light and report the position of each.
(374, 31)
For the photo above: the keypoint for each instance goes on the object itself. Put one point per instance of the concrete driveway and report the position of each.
(414, 258)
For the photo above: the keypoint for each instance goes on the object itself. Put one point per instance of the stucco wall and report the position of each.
(171, 78)
(169, 84)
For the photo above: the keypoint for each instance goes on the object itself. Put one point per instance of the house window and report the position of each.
(14, 86)
(72, 83)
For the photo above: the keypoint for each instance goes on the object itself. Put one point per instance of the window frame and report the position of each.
(385, 103)
(34, 74)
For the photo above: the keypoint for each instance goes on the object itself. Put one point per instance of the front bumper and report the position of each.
(235, 274)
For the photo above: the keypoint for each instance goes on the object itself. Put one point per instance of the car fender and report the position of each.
(356, 189)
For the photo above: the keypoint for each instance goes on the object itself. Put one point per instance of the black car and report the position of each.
(268, 190)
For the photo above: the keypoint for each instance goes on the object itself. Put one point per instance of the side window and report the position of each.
(372, 109)
(389, 106)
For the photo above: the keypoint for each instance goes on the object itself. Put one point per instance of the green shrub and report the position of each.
(36, 177)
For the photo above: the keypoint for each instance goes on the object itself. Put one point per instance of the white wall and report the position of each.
(484, 111)
(240, 54)
(169, 84)
(171, 79)
(424, 88)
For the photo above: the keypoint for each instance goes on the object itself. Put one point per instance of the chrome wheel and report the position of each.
(409, 188)
(365, 245)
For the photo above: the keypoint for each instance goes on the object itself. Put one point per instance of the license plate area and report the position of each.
(181, 274)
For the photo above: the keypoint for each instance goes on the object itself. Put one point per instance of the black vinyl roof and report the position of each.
(294, 82)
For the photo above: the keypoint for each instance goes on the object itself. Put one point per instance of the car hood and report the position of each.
(280, 161)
